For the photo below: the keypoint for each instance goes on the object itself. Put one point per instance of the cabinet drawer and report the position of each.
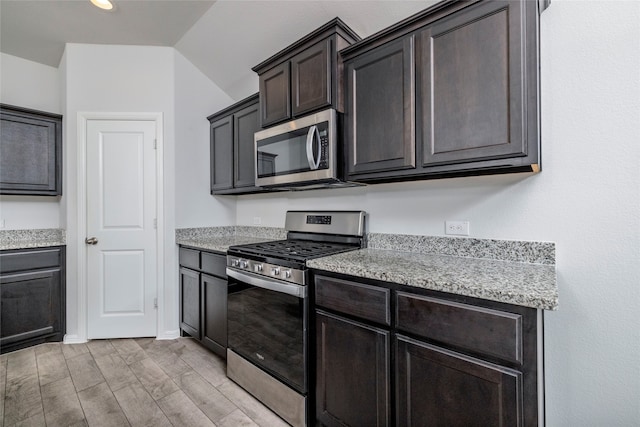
(356, 299)
(214, 264)
(30, 260)
(190, 258)
(482, 330)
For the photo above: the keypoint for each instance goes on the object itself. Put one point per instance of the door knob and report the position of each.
(91, 241)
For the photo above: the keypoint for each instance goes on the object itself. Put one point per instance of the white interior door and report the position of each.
(121, 216)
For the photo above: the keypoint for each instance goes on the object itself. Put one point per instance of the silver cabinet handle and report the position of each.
(311, 135)
(91, 241)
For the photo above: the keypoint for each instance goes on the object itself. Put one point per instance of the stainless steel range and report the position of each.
(268, 306)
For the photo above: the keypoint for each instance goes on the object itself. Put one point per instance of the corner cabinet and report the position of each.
(305, 76)
(388, 354)
(30, 152)
(203, 298)
(232, 147)
(451, 91)
(32, 297)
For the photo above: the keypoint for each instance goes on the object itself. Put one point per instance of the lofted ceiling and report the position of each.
(223, 38)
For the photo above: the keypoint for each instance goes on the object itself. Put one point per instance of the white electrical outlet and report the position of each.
(456, 228)
(257, 220)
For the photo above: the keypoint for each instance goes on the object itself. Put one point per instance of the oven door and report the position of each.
(267, 325)
(302, 150)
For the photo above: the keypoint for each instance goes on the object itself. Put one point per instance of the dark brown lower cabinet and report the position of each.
(439, 387)
(190, 302)
(352, 372)
(203, 298)
(214, 313)
(32, 297)
(389, 354)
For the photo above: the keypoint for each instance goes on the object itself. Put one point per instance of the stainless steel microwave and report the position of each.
(300, 154)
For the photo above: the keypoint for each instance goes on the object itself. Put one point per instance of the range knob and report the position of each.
(287, 274)
(257, 268)
(244, 263)
(235, 262)
(275, 271)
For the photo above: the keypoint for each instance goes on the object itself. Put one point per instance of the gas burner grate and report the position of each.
(302, 249)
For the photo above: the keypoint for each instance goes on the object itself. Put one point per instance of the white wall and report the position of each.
(106, 78)
(30, 85)
(586, 200)
(242, 34)
(196, 98)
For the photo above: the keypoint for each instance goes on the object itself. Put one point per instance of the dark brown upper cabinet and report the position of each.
(381, 112)
(30, 152)
(306, 76)
(311, 78)
(274, 85)
(232, 147)
(470, 79)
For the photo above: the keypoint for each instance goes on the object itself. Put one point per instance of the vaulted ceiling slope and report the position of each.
(223, 38)
(38, 30)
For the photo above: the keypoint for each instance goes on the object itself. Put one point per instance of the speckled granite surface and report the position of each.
(505, 250)
(24, 239)
(220, 238)
(515, 272)
(530, 285)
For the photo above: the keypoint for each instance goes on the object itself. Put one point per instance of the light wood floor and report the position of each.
(125, 382)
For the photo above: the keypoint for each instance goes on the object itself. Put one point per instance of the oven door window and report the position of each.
(268, 329)
(297, 151)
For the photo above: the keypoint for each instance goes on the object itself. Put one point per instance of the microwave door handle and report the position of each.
(311, 135)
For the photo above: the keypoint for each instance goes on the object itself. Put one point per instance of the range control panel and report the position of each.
(267, 270)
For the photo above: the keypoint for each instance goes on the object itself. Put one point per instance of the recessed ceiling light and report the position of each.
(103, 4)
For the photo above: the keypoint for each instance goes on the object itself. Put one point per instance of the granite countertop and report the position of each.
(220, 238)
(515, 272)
(25, 239)
(525, 284)
(220, 244)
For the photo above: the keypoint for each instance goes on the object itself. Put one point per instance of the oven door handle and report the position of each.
(285, 288)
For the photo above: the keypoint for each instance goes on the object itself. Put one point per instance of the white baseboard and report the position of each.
(73, 339)
(169, 335)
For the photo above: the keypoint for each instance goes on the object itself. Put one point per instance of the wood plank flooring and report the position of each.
(125, 382)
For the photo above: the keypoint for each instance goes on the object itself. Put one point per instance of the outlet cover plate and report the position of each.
(456, 228)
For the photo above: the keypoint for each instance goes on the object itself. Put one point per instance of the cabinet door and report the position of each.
(214, 313)
(472, 85)
(352, 377)
(30, 307)
(221, 141)
(438, 387)
(30, 152)
(311, 79)
(275, 94)
(380, 110)
(190, 302)
(245, 124)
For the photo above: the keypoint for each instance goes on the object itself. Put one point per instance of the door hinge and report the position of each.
(155, 222)
(155, 144)
(155, 303)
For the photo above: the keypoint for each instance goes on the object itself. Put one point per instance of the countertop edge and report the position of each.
(32, 238)
(528, 285)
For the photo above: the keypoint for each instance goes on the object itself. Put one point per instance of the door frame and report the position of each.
(81, 226)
